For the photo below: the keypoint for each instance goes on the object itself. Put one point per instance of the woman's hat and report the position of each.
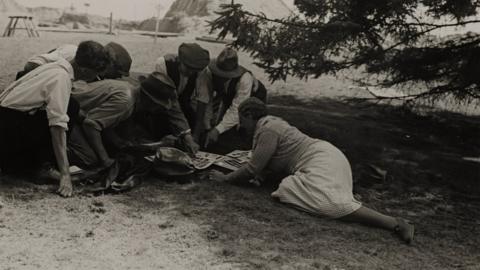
(193, 56)
(159, 88)
(226, 64)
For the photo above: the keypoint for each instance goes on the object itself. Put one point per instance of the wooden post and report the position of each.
(7, 29)
(157, 23)
(110, 27)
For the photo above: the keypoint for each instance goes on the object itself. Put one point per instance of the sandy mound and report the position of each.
(192, 16)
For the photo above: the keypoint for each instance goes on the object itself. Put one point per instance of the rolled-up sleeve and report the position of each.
(244, 88)
(160, 65)
(57, 97)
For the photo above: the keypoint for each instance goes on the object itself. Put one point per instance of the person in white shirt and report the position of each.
(104, 101)
(221, 87)
(34, 113)
(66, 51)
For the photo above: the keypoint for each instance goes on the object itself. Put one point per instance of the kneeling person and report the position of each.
(157, 112)
(221, 87)
(105, 103)
(34, 113)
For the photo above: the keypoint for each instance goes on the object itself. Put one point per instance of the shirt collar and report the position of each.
(67, 66)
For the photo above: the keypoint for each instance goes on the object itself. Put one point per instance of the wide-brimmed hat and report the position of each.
(159, 88)
(120, 57)
(193, 56)
(226, 64)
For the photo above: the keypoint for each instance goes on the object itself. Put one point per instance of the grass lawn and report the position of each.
(199, 224)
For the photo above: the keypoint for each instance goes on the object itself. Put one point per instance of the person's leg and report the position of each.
(10, 140)
(370, 217)
(23, 140)
(79, 151)
(114, 104)
(73, 112)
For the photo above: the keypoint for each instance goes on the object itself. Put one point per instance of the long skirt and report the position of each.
(321, 183)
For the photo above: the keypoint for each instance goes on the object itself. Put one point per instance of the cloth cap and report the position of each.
(193, 56)
(226, 64)
(120, 57)
(253, 106)
(159, 88)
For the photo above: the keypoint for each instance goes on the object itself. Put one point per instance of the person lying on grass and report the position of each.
(36, 110)
(320, 177)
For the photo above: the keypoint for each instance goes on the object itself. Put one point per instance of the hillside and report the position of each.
(46, 14)
(191, 16)
(11, 6)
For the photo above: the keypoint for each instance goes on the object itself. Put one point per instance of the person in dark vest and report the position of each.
(156, 114)
(220, 89)
(182, 69)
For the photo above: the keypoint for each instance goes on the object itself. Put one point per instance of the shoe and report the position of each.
(404, 230)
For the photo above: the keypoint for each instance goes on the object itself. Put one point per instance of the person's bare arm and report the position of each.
(94, 137)
(59, 143)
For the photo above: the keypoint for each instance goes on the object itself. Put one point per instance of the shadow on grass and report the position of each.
(423, 159)
(425, 150)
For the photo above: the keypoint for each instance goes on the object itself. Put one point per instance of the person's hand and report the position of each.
(212, 137)
(107, 162)
(81, 116)
(66, 188)
(190, 145)
(217, 176)
(123, 144)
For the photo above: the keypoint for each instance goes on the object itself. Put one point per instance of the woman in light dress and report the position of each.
(319, 177)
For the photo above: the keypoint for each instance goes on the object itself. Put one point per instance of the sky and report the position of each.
(122, 9)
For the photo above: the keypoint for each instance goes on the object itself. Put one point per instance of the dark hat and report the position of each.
(193, 56)
(159, 88)
(120, 57)
(226, 64)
